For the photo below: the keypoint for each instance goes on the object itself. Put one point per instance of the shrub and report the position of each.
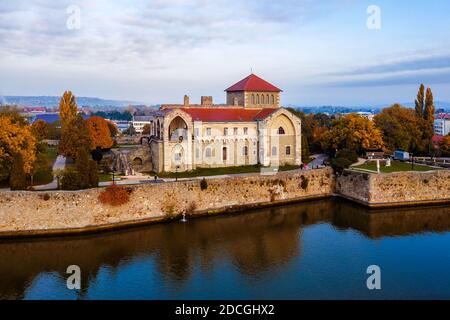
(203, 184)
(45, 197)
(304, 183)
(339, 164)
(114, 195)
(348, 154)
(71, 179)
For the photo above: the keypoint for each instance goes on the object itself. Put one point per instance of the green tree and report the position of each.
(17, 178)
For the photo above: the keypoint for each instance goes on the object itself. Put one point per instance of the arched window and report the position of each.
(245, 151)
(273, 99)
(253, 99)
(257, 99)
(262, 99)
(224, 153)
(267, 99)
(281, 130)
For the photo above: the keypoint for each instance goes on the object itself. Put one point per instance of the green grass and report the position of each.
(199, 172)
(44, 173)
(396, 166)
(102, 177)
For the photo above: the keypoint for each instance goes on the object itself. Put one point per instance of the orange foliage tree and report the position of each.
(67, 107)
(40, 129)
(100, 133)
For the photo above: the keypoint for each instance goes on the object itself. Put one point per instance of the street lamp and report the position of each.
(176, 173)
(112, 176)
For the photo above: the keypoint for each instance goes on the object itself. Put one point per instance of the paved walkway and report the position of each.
(60, 164)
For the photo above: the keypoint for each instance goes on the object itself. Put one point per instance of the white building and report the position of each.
(140, 121)
(442, 126)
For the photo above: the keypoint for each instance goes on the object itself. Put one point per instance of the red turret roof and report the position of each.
(253, 83)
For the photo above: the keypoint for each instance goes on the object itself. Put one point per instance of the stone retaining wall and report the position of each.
(24, 211)
(395, 188)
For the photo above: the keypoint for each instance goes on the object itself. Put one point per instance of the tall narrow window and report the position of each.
(224, 153)
(208, 131)
(262, 99)
(245, 130)
(245, 151)
(208, 152)
(273, 99)
(196, 132)
(257, 99)
(267, 99)
(288, 150)
(274, 151)
(235, 131)
(225, 131)
(253, 99)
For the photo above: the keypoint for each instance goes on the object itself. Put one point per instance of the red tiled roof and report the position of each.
(215, 114)
(436, 139)
(253, 83)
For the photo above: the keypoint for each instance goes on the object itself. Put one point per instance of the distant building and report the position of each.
(365, 114)
(49, 117)
(442, 124)
(373, 154)
(140, 121)
(121, 125)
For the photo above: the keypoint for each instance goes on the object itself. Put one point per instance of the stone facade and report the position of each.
(21, 211)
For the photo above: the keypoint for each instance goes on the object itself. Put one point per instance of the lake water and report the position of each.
(313, 250)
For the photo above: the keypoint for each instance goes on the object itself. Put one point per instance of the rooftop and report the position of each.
(253, 83)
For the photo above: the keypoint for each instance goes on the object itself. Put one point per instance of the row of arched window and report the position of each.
(263, 98)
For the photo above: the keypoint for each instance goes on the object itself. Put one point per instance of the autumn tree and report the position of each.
(17, 144)
(399, 126)
(40, 129)
(146, 129)
(67, 108)
(419, 101)
(444, 146)
(112, 129)
(425, 119)
(74, 137)
(352, 132)
(100, 133)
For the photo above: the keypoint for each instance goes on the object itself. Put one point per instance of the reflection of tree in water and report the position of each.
(257, 243)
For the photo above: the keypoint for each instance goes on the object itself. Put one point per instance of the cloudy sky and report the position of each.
(155, 51)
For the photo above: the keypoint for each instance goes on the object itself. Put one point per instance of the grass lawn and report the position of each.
(395, 167)
(220, 171)
(102, 177)
(44, 173)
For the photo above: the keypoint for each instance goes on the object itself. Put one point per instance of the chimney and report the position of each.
(186, 100)
(207, 101)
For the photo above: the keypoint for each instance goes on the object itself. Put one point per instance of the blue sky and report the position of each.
(318, 52)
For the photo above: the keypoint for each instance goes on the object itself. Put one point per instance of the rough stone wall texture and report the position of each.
(23, 210)
(395, 187)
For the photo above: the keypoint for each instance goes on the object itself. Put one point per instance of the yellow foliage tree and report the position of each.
(67, 107)
(444, 145)
(352, 132)
(100, 133)
(16, 141)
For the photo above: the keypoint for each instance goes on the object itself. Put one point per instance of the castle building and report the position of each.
(251, 128)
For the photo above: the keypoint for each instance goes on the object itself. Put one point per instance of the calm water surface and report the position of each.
(316, 250)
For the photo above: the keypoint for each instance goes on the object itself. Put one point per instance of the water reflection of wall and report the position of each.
(262, 241)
